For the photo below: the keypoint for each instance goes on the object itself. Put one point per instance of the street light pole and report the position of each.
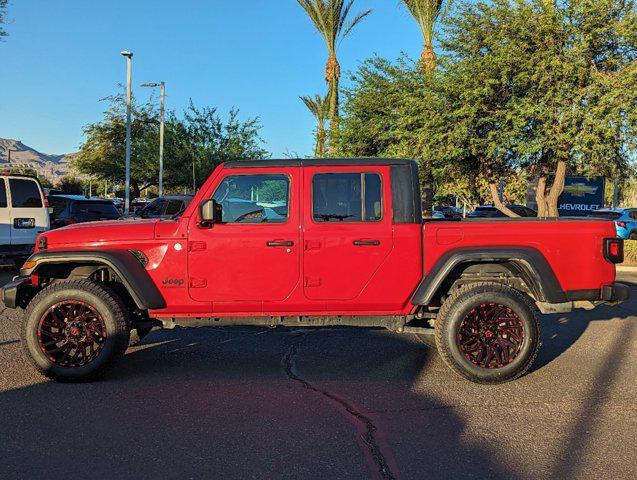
(129, 57)
(161, 134)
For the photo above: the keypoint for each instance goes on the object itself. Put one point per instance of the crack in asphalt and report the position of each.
(368, 436)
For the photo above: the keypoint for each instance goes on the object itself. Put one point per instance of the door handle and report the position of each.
(280, 243)
(366, 243)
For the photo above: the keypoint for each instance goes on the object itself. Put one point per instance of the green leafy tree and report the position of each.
(200, 140)
(194, 144)
(102, 155)
(330, 17)
(3, 17)
(319, 107)
(395, 109)
(71, 185)
(524, 89)
(543, 86)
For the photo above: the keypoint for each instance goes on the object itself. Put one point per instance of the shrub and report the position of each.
(630, 252)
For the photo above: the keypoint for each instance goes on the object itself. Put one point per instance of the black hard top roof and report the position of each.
(318, 162)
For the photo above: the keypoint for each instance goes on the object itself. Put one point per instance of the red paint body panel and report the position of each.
(229, 270)
(573, 249)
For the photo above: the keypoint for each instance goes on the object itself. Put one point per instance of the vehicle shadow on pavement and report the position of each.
(246, 403)
(560, 332)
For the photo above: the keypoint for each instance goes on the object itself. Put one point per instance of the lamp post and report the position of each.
(161, 134)
(129, 66)
(11, 150)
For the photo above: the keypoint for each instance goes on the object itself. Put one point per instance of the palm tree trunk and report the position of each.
(332, 77)
(321, 137)
(428, 58)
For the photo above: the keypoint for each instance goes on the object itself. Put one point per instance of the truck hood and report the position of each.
(105, 231)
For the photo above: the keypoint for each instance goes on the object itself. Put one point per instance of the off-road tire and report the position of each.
(459, 304)
(110, 307)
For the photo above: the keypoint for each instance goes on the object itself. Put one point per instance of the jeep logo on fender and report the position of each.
(173, 282)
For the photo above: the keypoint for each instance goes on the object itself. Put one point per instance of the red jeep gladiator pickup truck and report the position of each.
(312, 243)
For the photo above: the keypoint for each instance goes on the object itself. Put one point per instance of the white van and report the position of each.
(24, 214)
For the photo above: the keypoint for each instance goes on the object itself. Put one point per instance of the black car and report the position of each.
(69, 209)
(449, 211)
(166, 207)
(487, 211)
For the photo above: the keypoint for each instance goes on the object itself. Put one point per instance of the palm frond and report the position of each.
(427, 13)
(318, 105)
(355, 21)
(330, 19)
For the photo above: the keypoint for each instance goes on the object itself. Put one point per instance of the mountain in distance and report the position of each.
(23, 157)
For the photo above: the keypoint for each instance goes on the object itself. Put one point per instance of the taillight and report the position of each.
(621, 224)
(614, 250)
(45, 200)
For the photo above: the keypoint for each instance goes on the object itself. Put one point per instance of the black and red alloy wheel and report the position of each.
(491, 335)
(71, 333)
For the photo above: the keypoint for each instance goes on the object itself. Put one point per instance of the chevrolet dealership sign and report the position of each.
(581, 196)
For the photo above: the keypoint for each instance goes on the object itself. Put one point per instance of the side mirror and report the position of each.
(210, 212)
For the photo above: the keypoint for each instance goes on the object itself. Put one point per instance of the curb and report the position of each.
(627, 268)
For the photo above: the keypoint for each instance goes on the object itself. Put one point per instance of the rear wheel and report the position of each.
(74, 330)
(488, 333)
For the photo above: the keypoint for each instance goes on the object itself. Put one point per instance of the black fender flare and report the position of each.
(128, 268)
(528, 262)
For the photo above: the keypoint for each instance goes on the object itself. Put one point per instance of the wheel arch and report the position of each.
(82, 264)
(524, 263)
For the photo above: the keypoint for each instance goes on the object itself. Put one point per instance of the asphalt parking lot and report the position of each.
(327, 404)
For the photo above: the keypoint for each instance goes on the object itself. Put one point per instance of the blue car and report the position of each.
(625, 220)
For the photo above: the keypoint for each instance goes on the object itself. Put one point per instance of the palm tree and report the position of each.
(426, 13)
(330, 19)
(319, 106)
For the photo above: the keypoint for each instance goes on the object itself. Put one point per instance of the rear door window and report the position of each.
(347, 197)
(25, 193)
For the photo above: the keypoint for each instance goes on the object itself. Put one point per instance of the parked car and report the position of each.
(23, 215)
(166, 207)
(69, 209)
(449, 212)
(118, 202)
(625, 220)
(344, 244)
(489, 211)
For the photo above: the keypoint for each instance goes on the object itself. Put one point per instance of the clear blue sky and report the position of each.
(62, 56)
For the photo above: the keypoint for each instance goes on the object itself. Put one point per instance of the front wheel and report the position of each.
(488, 333)
(74, 330)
